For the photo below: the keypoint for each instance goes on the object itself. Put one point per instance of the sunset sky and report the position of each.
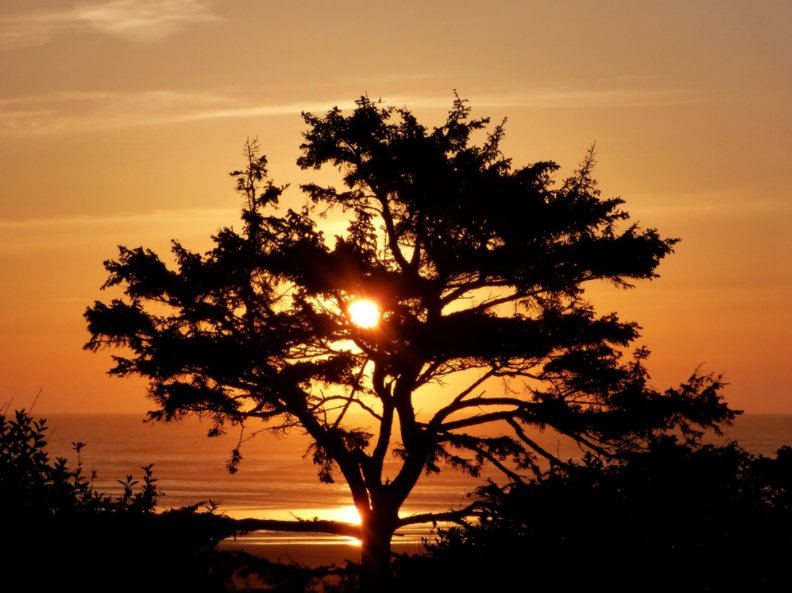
(120, 120)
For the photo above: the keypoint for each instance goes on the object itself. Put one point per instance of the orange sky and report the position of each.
(120, 119)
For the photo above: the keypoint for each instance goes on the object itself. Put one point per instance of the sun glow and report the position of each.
(364, 313)
(348, 514)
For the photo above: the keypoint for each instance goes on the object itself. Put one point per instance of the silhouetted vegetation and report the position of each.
(672, 518)
(479, 270)
(60, 534)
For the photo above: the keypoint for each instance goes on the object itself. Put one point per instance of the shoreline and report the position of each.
(311, 555)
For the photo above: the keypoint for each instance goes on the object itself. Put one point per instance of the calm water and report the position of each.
(275, 480)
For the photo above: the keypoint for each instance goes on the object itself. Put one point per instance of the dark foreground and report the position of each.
(681, 518)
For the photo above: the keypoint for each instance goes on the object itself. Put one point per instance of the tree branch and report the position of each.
(514, 476)
(450, 516)
(298, 526)
(481, 419)
(351, 397)
(533, 444)
(387, 218)
(444, 412)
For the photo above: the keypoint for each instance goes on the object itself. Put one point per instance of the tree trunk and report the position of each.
(377, 532)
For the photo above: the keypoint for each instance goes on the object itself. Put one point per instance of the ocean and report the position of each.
(277, 481)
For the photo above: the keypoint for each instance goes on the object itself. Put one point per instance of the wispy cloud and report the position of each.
(140, 20)
(98, 221)
(34, 235)
(102, 232)
(77, 112)
(555, 96)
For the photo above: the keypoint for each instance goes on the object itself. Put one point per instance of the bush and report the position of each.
(60, 534)
(672, 518)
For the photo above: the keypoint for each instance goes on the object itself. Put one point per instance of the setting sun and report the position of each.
(348, 514)
(364, 313)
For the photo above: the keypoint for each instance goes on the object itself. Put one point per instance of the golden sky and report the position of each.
(120, 119)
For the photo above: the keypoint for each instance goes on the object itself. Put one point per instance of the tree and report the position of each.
(477, 271)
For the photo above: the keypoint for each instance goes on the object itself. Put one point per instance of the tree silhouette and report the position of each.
(671, 517)
(478, 271)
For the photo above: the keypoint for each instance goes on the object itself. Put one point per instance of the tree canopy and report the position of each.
(478, 270)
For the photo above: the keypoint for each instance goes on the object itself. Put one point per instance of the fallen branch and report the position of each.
(299, 525)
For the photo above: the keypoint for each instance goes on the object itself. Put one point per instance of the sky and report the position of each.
(120, 120)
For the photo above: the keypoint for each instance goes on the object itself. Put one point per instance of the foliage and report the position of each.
(33, 485)
(710, 518)
(480, 271)
(59, 533)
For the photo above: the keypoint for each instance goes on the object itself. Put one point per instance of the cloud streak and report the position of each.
(98, 221)
(36, 235)
(96, 232)
(137, 20)
(80, 112)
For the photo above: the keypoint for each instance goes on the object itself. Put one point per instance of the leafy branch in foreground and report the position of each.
(32, 484)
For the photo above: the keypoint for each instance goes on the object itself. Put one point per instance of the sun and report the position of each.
(364, 313)
(348, 514)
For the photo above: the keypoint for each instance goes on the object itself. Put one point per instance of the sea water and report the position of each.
(276, 478)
